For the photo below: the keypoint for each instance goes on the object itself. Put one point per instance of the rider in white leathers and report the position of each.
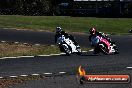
(60, 32)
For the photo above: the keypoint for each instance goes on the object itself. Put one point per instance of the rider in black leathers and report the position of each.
(60, 32)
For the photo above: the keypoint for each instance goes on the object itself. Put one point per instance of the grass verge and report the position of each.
(8, 82)
(11, 49)
(70, 24)
(26, 50)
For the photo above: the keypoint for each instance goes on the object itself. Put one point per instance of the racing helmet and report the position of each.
(58, 30)
(92, 31)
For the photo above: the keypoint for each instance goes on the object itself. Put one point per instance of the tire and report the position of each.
(116, 50)
(79, 51)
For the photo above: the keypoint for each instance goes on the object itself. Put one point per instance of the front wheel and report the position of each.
(79, 51)
(116, 49)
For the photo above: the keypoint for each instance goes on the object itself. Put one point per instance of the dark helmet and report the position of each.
(58, 29)
(92, 31)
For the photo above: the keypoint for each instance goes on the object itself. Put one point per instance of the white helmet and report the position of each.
(58, 29)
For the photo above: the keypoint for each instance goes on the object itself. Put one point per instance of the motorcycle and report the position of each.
(66, 45)
(104, 46)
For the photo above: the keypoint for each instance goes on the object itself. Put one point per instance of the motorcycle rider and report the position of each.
(60, 32)
(93, 33)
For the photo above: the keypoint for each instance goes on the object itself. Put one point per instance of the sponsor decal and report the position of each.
(111, 78)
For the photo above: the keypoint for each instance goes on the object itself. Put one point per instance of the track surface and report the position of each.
(93, 64)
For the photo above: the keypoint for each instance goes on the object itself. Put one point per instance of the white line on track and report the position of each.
(35, 74)
(62, 72)
(23, 75)
(52, 54)
(62, 53)
(1, 77)
(3, 41)
(57, 54)
(16, 57)
(84, 51)
(5, 28)
(37, 44)
(25, 43)
(47, 73)
(7, 57)
(13, 76)
(129, 67)
(43, 55)
(16, 42)
(91, 50)
(34, 56)
(52, 45)
(23, 56)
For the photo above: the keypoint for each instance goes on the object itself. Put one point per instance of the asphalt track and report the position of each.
(93, 64)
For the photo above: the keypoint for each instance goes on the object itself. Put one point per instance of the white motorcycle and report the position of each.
(66, 45)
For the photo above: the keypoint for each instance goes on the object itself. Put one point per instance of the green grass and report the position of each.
(69, 24)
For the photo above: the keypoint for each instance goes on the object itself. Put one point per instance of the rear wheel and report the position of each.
(67, 50)
(103, 47)
(96, 50)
